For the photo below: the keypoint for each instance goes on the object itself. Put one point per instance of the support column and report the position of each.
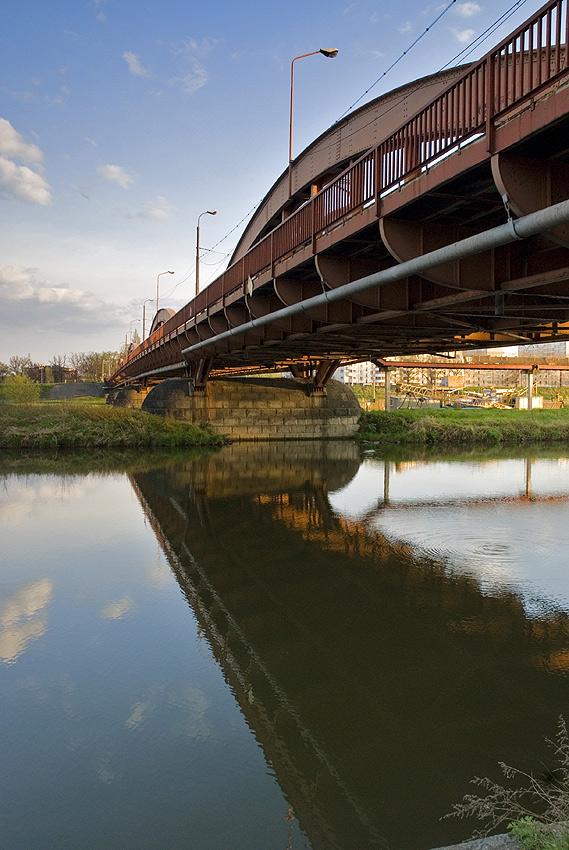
(530, 390)
(387, 389)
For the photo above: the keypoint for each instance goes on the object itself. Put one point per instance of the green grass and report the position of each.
(452, 427)
(81, 425)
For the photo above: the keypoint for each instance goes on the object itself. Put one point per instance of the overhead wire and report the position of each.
(399, 58)
(470, 47)
(463, 54)
(486, 34)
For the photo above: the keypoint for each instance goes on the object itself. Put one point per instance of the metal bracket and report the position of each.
(511, 221)
(506, 202)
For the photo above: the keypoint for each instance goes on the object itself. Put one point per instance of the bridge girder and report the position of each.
(517, 164)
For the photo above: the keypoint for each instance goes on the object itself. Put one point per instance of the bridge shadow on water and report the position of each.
(377, 681)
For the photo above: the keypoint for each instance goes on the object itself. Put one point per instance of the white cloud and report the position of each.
(468, 9)
(189, 55)
(22, 618)
(117, 610)
(134, 65)
(13, 145)
(194, 79)
(15, 275)
(464, 36)
(19, 180)
(116, 174)
(23, 183)
(157, 209)
(100, 15)
(18, 283)
(27, 300)
(406, 27)
(137, 715)
(194, 48)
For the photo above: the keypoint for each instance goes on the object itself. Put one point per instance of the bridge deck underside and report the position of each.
(513, 294)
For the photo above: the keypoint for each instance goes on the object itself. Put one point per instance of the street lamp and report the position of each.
(330, 53)
(158, 285)
(144, 317)
(131, 324)
(207, 212)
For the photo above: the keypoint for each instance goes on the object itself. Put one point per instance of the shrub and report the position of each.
(531, 805)
(19, 389)
(533, 835)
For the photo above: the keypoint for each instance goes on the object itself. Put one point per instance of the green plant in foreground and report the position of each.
(528, 808)
(19, 389)
(533, 835)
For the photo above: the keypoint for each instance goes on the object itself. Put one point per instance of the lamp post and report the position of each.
(330, 53)
(131, 324)
(158, 285)
(144, 317)
(207, 212)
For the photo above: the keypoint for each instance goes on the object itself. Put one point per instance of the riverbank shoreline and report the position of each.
(91, 424)
(448, 427)
(493, 842)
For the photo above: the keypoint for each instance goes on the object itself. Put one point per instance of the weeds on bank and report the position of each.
(482, 427)
(76, 426)
(536, 811)
(533, 835)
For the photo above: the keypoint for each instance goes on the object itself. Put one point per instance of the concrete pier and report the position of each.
(254, 408)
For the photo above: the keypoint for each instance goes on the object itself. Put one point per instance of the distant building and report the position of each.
(51, 374)
(544, 349)
(360, 373)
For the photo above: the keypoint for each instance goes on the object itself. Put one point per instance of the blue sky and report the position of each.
(122, 121)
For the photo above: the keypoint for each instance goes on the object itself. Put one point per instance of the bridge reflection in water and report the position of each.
(377, 681)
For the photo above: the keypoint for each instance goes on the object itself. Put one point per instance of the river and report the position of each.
(276, 645)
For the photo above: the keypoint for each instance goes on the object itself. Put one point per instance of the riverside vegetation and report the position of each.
(536, 811)
(448, 426)
(95, 425)
(29, 420)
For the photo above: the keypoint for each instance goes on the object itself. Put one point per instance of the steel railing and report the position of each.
(528, 60)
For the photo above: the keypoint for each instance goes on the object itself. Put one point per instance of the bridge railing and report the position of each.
(525, 62)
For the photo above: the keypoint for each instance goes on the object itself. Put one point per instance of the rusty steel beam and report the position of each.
(530, 225)
(474, 367)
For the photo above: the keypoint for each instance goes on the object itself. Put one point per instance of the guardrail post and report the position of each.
(313, 222)
(566, 33)
(490, 77)
(377, 180)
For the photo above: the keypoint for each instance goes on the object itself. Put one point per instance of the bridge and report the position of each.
(433, 218)
(323, 628)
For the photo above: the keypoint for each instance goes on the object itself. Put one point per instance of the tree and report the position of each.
(18, 365)
(19, 389)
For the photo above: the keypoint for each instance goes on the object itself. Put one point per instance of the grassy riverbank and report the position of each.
(460, 427)
(93, 425)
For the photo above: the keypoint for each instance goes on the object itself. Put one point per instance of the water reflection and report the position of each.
(23, 618)
(377, 676)
(502, 522)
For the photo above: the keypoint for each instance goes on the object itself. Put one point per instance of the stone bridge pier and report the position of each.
(252, 408)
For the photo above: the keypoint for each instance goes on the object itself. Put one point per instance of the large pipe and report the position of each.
(541, 221)
(530, 225)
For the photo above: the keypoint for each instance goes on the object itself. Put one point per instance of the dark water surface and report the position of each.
(276, 646)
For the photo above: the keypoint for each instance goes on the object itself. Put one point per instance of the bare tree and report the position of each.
(19, 365)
